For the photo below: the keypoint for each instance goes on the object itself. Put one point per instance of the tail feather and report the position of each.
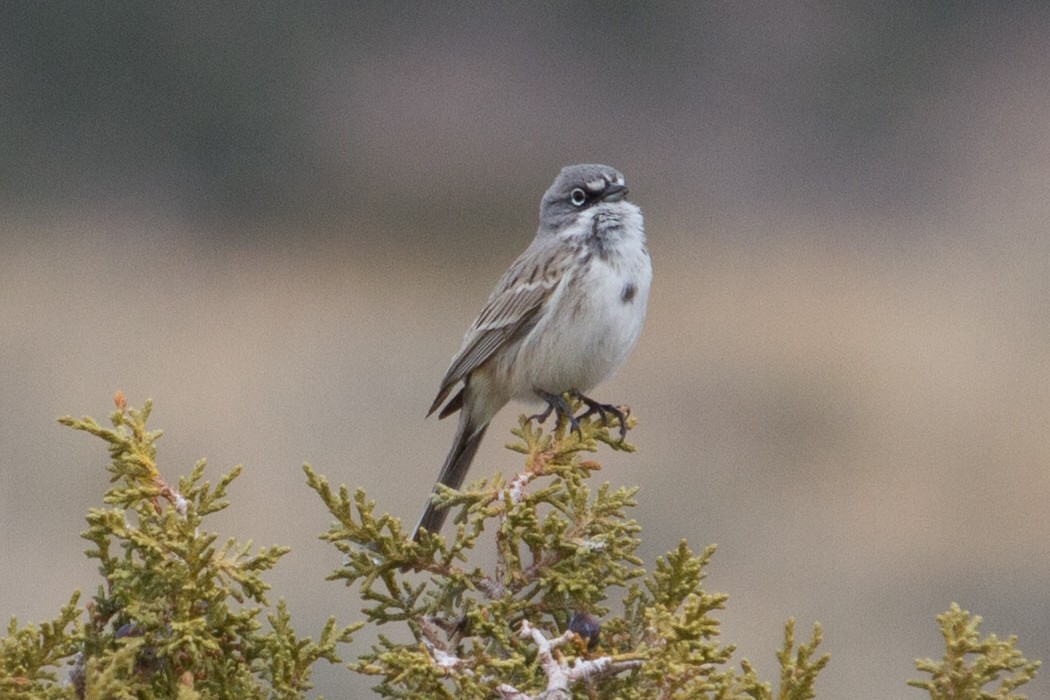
(453, 472)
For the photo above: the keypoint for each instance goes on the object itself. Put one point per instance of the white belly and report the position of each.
(590, 328)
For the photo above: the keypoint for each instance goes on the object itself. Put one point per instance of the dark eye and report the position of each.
(578, 197)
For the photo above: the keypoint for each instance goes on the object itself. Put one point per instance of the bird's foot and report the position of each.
(557, 404)
(542, 416)
(603, 410)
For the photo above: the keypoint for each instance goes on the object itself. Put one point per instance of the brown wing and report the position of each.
(511, 310)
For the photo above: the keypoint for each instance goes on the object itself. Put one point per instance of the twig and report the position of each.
(561, 675)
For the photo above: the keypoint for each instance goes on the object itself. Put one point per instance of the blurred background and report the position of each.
(278, 220)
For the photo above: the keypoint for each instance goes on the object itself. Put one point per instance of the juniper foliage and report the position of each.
(565, 607)
(539, 621)
(971, 664)
(177, 614)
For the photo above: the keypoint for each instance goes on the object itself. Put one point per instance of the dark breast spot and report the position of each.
(629, 290)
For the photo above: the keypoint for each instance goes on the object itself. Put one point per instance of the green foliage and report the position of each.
(971, 663)
(557, 602)
(563, 553)
(176, 615)
(29, 655)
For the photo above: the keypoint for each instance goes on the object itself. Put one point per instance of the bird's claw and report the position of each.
(542, 417)
(557, 404)
(603, 410)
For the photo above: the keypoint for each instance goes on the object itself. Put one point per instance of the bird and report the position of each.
(563, 318)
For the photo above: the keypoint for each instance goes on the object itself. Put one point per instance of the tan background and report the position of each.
(279, 223)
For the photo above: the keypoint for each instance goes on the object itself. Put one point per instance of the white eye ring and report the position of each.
(578, 197)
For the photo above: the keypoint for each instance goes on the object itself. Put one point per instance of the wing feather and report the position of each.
(511, 309)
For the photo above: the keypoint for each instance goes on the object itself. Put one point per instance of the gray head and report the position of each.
(578, 188)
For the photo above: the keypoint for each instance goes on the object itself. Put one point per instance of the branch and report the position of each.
(560, 674)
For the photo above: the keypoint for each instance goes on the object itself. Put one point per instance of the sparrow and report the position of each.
(562, 319)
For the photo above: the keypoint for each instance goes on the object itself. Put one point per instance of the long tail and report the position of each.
(464, 447)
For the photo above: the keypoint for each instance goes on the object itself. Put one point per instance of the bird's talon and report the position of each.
(574, 426)
(542, 417)
(603, 410)
(557, 404)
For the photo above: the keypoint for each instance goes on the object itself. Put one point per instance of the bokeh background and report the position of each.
(277, 220)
